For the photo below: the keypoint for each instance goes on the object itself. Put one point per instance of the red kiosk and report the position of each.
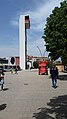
(43, 68)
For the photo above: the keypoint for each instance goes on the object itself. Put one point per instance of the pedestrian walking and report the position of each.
(16, 69)
(54, 75)
(1, 79)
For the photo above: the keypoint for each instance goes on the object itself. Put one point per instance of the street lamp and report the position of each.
(39, 50)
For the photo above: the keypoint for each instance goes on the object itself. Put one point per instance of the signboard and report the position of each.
(27, 22)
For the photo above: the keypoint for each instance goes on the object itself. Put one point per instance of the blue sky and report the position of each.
(10, 11)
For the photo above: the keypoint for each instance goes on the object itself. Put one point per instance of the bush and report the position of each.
(35, 64)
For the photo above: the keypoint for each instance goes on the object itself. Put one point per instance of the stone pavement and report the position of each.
(28, 95)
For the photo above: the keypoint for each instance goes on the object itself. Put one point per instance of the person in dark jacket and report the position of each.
(54, 75)
(1, 79)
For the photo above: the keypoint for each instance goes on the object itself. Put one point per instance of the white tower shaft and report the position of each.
(22, 41)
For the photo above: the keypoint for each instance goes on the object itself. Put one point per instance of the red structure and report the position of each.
(43, 67)
(17, 61)
(27, 22)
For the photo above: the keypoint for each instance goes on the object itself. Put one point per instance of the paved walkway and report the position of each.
(31, 96)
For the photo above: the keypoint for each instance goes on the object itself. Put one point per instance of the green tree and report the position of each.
(55, 33)
(35, 64)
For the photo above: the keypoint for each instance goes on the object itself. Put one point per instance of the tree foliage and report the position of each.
(55, 33)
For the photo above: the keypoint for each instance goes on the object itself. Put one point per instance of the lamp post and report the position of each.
(39, 51)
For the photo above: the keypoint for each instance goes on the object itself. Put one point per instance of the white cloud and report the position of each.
(32, 47)
(37, 21)
(8, 51)
(14, 22)
(39, 15)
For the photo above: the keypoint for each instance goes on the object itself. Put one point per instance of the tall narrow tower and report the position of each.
(24, 23)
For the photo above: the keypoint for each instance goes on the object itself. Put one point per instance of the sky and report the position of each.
(10, 11)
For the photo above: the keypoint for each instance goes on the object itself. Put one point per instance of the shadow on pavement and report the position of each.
(62, 77)
(57, 109)
(2, 107)
(5, 89)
